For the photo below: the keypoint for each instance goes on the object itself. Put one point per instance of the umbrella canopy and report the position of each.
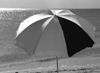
(54, 33)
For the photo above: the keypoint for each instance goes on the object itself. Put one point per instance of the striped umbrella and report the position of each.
(54, 33)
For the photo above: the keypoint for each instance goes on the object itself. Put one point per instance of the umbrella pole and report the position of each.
(57, 64)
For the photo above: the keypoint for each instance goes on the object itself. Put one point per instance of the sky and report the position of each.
(49, 3)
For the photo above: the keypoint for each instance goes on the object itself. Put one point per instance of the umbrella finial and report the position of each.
(56, 12)
(62, 12)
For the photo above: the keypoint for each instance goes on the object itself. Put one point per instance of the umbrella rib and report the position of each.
(29, 21)
(43, 26)
(71, 19)
(68, 12)
(46, 23)
(37, 44)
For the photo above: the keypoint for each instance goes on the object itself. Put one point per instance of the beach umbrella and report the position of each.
(54, 33)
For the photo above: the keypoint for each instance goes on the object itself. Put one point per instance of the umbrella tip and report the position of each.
(60, 11)
(55, 12)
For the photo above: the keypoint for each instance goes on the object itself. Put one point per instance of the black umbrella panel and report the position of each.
(76, 38)
(59, 37)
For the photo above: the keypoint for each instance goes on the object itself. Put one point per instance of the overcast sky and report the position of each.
(50, 3)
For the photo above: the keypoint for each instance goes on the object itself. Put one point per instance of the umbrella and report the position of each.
(54, 33)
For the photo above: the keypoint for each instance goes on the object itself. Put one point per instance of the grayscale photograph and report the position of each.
(49, 36)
